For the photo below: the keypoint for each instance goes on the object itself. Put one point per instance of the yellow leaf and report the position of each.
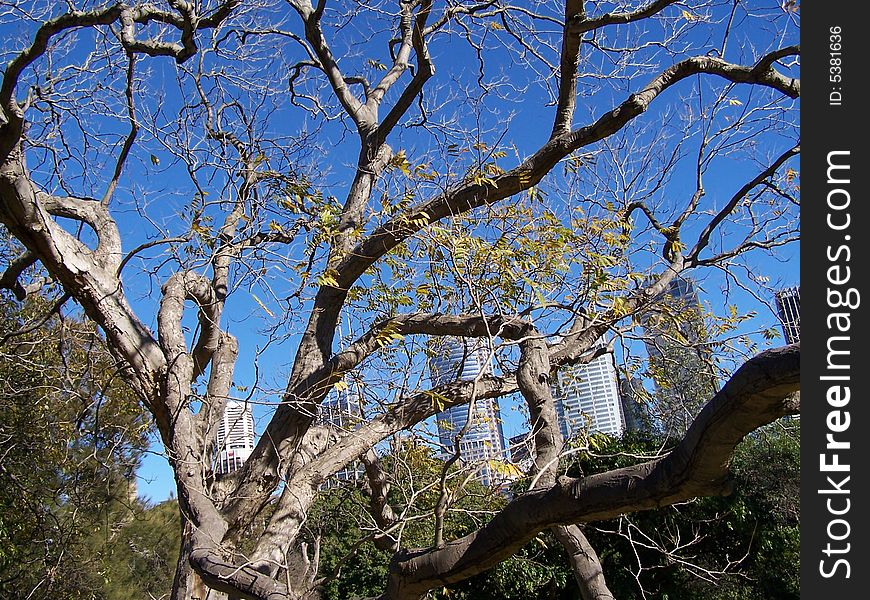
(438, 403)
(327, 279)
(198, 228)
(400, 160)
(505, 469)
(734, 102)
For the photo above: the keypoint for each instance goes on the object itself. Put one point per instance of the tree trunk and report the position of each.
(187, 585)
(584, 563)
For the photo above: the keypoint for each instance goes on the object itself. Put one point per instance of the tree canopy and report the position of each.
(273, 201)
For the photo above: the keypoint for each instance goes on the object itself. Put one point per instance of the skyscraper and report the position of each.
(679, 359)
(788, 309)
(464, 360)
(587, 397)
(635, 404)
(343, 410)
(235, 437)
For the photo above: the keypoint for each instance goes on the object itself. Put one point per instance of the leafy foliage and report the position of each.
(741, 546)
(71, 435)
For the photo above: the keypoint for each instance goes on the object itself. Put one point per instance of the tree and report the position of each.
(71, 436)
(740, 546)
(191, 172)
(138, 559)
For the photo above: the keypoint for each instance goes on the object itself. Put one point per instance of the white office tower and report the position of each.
(483, 441)
(235, 437)
(587, 397)
(343, 411)
(788, 309)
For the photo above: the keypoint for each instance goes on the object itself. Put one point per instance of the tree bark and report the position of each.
(584, 562)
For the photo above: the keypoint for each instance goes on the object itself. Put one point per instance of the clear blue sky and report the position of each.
(530, 120)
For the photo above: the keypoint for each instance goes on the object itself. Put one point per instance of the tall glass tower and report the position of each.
(788, 308)
(679, 358)
(464, 360)
(235, 437)
(343, 411)
(587, 397)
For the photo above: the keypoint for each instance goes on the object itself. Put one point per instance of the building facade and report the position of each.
(483, 440)
(680, 361)
(343, 411)
(587, 397)
(788, 309)
(235, 437)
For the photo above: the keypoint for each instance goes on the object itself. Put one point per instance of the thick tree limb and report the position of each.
(96, 215)
(377, 489)
(761, 391)
(239, 581)
(76, 267)
(572, 41)
(533, 377)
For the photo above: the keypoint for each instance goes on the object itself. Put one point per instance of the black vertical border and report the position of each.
(832, 123)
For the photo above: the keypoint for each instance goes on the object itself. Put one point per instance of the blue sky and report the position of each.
(523, 115)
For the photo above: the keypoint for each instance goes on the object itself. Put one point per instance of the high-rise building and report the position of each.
(522, 450)
(483, 440)
(343, 411)
(635, 404)
(587, 397)
(788, 309)
(235, 437)
(680, 360)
